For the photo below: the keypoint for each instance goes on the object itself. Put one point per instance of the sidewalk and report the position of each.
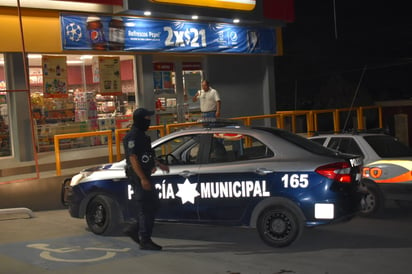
(12, 169)
(23, 189)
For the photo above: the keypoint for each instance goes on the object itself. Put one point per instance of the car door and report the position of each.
(230, 182)
(177, 195)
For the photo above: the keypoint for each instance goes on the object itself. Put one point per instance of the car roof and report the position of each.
(346, 134)
(201, 129)
(237, 128)
(288, 144)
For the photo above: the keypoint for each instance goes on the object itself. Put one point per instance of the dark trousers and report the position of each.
(147, 204)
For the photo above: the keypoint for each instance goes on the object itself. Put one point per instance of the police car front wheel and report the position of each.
(103, 215)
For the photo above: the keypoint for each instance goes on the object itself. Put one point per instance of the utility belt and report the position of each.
(131, 174)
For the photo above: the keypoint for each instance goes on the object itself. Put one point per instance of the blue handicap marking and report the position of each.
(70, 251)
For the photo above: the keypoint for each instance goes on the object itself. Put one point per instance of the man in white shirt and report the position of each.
(209, 101)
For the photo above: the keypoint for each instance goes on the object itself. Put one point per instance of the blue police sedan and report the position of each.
(265, 178)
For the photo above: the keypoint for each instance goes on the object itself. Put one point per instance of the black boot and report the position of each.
(148, 244)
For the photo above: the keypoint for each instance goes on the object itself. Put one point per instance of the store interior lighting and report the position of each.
(71, 62)
(147, 13)
(195, 17)
(36, 59)
(86, 57)
(34, 56)
(236, 20)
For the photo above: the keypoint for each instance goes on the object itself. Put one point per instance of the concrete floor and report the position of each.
(40, 189)
(55, 243)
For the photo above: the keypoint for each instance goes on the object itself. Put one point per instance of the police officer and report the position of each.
(141, 163)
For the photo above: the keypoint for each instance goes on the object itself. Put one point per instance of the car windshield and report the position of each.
(300, 141)
(388, 147)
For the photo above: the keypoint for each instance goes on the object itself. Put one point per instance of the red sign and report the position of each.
(279, 10)
(163, 66)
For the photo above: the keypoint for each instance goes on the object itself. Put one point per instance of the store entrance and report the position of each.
(176, 81)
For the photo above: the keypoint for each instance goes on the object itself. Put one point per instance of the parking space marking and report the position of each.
(72, 251)
(48, 253)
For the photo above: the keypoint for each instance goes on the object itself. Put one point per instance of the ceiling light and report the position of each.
(74, 62)
(236, 20)
(147, 13)
(34, 56)
(130, 24)
(195, 17)
(86, 57)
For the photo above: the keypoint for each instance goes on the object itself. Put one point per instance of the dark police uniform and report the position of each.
(147, 201)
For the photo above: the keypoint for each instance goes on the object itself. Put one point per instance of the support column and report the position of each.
(19, 108)
(179, 92)
(144, 75)
(268, 87)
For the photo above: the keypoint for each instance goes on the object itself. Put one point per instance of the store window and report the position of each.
(80, 93)
(5, 140)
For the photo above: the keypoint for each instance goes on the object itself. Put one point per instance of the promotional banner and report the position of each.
(139, 34)
(54, 76)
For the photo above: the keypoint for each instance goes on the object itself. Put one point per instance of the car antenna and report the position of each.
(354, 98)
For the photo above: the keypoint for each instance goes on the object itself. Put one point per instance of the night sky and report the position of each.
(368, 44)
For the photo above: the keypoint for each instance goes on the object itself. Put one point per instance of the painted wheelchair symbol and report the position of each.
(46, 253)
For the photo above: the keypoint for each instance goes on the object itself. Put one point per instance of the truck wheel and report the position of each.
(103, 215)
(279, 226)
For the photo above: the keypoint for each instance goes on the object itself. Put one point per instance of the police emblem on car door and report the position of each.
(178, 189)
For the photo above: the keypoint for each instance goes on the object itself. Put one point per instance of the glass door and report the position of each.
(192, 78)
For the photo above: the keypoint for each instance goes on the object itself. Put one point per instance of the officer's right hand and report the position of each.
(146, 184)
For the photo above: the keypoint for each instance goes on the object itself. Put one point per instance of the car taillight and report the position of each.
(337, 171)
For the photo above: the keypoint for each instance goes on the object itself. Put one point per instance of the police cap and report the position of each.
(141, 113)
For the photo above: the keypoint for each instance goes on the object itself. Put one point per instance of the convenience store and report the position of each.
(56, 63)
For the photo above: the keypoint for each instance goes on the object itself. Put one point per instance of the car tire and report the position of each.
(103, 215)
(279, 226)
(373, 200)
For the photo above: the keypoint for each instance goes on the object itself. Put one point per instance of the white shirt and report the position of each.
(208, 99)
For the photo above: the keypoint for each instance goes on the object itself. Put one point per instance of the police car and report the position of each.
(387, 170)
(264, 178)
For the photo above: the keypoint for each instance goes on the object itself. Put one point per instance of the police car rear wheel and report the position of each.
(279, 226)
(103, 215)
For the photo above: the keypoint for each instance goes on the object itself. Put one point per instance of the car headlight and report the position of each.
(76, 179)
